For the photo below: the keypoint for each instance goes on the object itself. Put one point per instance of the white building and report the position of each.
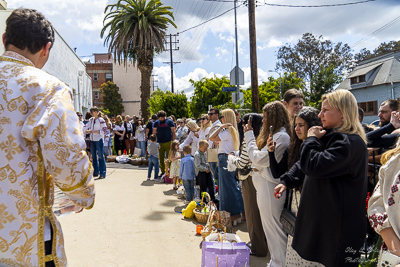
(64, 64)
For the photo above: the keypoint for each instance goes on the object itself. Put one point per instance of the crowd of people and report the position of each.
(301, 179)
(310, 162)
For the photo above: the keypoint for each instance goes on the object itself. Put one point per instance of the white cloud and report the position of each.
(183, 83)
(79, 22)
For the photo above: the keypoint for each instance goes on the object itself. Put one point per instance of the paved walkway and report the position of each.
(134, 223)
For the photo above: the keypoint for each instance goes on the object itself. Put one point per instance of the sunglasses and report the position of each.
(210, 114)
(80, 115)
(203, 119)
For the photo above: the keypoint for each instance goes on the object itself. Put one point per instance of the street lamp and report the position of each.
(280, 83)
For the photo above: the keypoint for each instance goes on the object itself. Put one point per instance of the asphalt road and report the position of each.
(134, 223)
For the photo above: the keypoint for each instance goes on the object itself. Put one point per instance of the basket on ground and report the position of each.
(199, 213)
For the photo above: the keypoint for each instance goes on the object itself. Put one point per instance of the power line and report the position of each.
(191, 28)
(390, 23)
(330, 5)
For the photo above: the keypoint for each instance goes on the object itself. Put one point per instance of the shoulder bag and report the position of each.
(212, 155)
(288, 219)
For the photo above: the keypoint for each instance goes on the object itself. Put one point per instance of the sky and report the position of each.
(209, 49)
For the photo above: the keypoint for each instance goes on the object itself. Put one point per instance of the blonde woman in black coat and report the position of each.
(330, 226)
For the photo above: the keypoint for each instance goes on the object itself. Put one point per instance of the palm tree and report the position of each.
(136, 32)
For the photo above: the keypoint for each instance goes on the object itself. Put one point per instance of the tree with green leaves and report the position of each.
(136, 31)
(208, 91)
(310, 54)
(172, 104)
(269, 90)
(112, 98)
(323, 82)
(383, 48)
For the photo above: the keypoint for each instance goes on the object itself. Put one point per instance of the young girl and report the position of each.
(108, 139)
(174, 157)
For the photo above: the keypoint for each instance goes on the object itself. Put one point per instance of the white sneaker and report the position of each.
(234, 223)
(186, 202)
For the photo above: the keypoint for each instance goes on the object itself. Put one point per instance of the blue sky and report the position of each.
(209, 49)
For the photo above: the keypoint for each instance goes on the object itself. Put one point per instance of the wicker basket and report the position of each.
(201, 217)
(211, 223)
(111, 158)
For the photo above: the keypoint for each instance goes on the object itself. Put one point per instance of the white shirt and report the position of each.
(140, 132)
(202, 134)
(260, 158)
(191, 139)
(226, 143)
(98, 124)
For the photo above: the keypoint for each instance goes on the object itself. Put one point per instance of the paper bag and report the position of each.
(229, 254)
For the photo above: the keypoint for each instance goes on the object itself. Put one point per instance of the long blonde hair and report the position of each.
(390, 153)
(118, 120)
(277, 116)
(208, 124)
(230, 117)
(192, 125)
(346, 103)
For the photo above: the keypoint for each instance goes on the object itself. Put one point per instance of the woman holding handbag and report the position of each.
(384, 205)
(275, 115)
(305, 119)
(258, 242)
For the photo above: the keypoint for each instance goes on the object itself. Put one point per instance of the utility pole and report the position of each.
(253, 57)
(237, 55)
(154, 80)
(171, 61)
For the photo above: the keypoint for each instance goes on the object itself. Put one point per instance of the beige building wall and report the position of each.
(3, 5)
(127, 78)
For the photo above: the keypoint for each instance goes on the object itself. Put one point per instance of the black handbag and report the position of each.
(287, 218)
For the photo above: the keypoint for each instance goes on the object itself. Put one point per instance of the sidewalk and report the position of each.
(134, 223)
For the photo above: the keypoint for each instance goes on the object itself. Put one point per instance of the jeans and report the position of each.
(189, 189)
(214, 171)
(142, 146)
(153, 161)
(99, 163)
(230, 197)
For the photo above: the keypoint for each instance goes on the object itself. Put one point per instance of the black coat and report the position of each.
(330, 226)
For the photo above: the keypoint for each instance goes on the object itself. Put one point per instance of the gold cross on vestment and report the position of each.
(10, 147)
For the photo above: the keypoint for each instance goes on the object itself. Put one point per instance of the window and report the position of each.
(96, 95)
(108, 77)
(358, 79)
(370, 108)
(95, 77)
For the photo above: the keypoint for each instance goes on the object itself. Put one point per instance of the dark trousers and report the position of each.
(205, 181)
(48, 248)
(253, 219)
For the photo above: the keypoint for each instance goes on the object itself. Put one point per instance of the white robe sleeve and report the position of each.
(55, 125)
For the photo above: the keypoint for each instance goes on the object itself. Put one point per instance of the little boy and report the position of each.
(152, 149)
(203, 174)
(187, 173)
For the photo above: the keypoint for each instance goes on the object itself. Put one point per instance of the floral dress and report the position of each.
(174, 168)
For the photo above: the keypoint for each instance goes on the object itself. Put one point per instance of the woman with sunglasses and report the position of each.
(205, 126)
(181, 131)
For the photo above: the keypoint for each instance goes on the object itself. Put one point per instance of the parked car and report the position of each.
(376, 123)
